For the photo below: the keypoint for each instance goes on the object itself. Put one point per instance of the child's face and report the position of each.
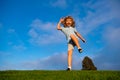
(69, 22)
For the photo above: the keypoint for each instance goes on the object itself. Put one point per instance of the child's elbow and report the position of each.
(58, 28)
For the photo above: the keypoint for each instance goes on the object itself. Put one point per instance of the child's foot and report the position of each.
(80, 50)
(68, 69)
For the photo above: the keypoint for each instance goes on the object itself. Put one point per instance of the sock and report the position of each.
(79, 48)
(69, 67)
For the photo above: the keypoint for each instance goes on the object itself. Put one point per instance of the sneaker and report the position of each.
(80, 50)
(68, 69)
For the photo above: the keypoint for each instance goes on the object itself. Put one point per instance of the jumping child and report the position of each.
(72, 36)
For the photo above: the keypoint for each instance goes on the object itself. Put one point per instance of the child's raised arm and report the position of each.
(58, 25)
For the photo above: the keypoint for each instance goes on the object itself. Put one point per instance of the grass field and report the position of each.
(59, 75)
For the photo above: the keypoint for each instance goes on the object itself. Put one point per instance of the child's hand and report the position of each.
(61, 20)
(83, 40)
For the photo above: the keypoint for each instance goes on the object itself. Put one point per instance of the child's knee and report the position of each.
(70, 52)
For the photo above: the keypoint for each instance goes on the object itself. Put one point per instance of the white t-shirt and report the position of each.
(68, 31)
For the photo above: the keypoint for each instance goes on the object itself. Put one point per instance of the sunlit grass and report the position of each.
(59, 75)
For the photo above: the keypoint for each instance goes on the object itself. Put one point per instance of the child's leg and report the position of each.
(70, 58)
(75, 40)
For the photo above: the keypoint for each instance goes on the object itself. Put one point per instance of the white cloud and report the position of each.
(108, 57)
(57, 61)
(44, 33)
(4, 53)
(111, 36)
(19, 47)
(104, 17)
(115, 4)
(7, 65)
(33, 33)
(59, 3)
(96, 14)
(54, 62)
(14, 41)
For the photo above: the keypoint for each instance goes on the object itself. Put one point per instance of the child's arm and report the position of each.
(58, 25)
(79, 35)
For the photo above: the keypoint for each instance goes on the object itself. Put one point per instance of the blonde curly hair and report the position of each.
(68, 17)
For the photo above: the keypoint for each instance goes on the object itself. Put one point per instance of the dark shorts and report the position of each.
(71, 45)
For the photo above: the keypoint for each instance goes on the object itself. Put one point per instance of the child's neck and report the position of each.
(69, 26)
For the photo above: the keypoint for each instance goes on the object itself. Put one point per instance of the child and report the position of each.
(72, 36)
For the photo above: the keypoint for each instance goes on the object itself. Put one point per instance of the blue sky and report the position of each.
(29, 39)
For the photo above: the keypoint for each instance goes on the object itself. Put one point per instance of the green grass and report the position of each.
(59, 75)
